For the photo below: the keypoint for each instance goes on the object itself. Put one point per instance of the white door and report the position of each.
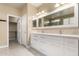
(24, 30)
(19, 30)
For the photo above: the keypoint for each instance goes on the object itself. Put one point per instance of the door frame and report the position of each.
(20, 29)
(8, 27)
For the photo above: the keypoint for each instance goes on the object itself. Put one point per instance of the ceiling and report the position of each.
(20, 5)
(36, 4)
(16, 5)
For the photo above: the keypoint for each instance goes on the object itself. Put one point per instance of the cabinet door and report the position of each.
(70, 46)
(3, 33)
(47, 44)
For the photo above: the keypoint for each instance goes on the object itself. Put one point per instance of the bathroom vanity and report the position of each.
(51, 44)
(56, 44)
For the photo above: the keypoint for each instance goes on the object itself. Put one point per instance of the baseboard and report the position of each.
(5, 46)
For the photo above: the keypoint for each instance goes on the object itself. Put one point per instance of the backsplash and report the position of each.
(71, 31)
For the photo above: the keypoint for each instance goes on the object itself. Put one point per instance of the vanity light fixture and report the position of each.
(57, 5)
(42, 11)
(38, 13)
(62, 3)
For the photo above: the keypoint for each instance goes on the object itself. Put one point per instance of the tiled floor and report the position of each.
(15, 50)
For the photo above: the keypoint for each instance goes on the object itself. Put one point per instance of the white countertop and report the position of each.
(62, 35)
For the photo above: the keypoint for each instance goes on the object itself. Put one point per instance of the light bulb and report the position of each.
(57, 5)
(62, 3)
(43, 12)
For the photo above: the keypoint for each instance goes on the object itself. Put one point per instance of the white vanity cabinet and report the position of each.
(55, 45)
(70, 46)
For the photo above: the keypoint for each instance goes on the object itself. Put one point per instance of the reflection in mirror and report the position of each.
(59, 18)
(34, 23)
(40, 22)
